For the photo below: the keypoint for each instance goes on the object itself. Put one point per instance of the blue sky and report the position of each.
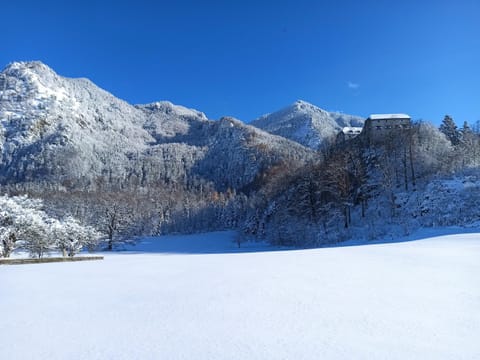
(246, 58)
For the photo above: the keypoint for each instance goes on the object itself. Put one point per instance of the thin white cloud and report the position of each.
(352, 85)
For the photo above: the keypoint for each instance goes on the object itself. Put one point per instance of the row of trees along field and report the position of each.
(25, 225)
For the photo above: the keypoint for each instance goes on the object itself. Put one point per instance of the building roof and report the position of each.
(352, 130)
(388, 116)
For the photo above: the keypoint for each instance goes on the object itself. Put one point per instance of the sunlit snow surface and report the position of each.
(199, 297)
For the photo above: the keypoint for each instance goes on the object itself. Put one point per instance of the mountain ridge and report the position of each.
(306, 123)
(59, 129)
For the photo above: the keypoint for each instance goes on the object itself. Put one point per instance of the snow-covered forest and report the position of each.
(422, 177)
(100, 167)
(24, 225)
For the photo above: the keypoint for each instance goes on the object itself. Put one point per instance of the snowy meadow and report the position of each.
(200, 297)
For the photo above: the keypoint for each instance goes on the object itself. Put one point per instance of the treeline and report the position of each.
(122, 214)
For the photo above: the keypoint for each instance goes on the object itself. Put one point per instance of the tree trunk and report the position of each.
(392, 204)
(405, 167)
(110, 242)
(412, 170)
(346, 216)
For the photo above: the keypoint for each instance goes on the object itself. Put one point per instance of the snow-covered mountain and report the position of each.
(69, 131)
(305, 123)
(167, 122)
(54, 128)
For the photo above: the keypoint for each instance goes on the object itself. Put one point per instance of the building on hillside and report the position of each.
(379, 126)
(348, 133)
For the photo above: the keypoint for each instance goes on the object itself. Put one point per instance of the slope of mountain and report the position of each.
(305, 123)
(167, 122)
(54, 128)
(238, 153)
(70, 132)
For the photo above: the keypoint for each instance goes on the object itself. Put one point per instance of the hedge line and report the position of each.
(48, 260)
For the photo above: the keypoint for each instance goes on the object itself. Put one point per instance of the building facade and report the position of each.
(378, 127)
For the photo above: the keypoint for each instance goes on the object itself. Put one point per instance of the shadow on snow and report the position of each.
(223, 242)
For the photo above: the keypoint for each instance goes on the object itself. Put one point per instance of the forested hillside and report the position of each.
(416, 178)
(162, 168)
(128, 169)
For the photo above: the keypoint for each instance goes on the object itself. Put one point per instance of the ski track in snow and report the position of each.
(199, 297)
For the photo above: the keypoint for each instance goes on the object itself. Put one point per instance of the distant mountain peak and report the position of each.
(301, 103)
(292, 110)
(21, 67)
(27, 64)
(305, 123)
(305, 106)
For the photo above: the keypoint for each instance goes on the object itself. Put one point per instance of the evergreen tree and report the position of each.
(466, 132)
(449, 128)
(476, 127)
(469, 146)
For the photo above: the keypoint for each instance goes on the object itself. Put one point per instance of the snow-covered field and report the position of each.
(197, 297)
